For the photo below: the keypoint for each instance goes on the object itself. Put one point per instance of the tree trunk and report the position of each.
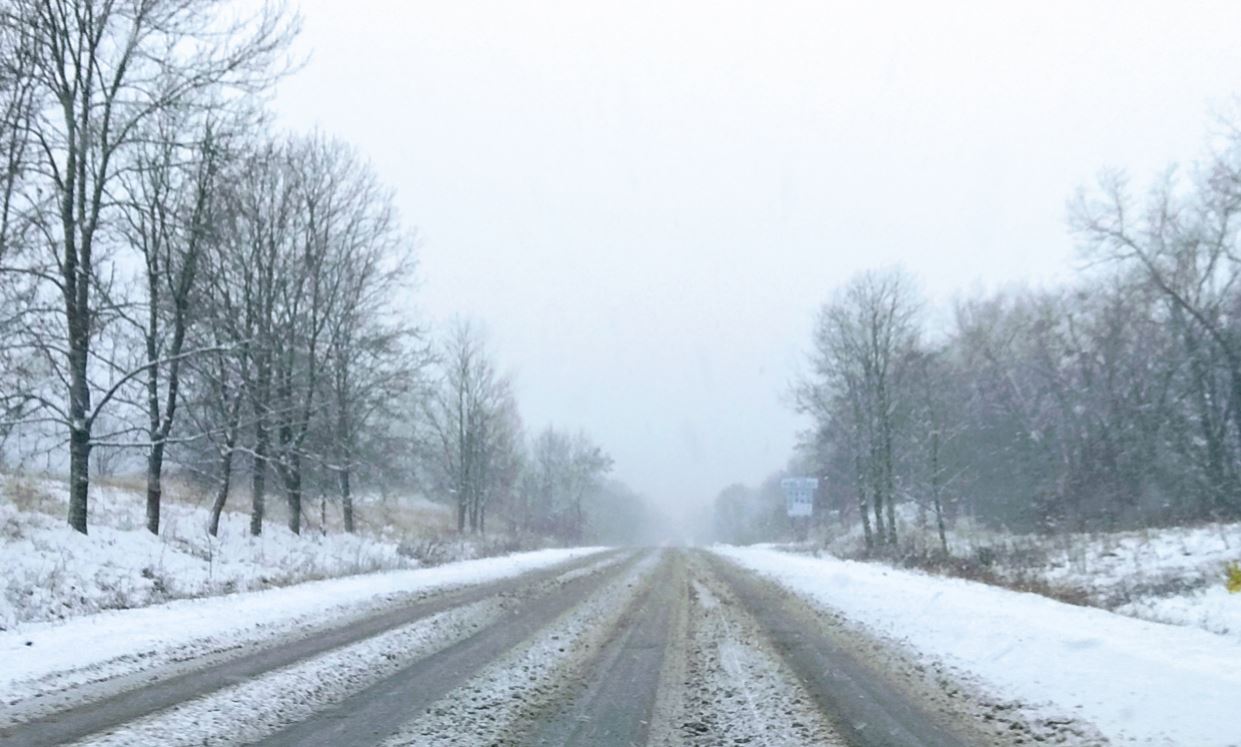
(890, 501)
(221, 495)
(577, 519)
(260, 402)
(79, 477)
(889, 485)
(155, 489)
(79, 423)
(876, 496)
(1228, 500)
(346, 499)
(293, 493)
(864, 512)
(935, 490)
(258, 482)
(226, 464)
(863, 504)
(879, 530)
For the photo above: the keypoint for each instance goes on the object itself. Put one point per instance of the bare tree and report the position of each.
(563, 471)
(588, 465)
(217, 380)
(170, 216)
(259, 259)
(17, 110)
(373, 357)
(20, 374)
(546, 503)
(1182, 243)
(308, 295)
(863, 344)
(937, 408)
(105, 68)
(470, 417)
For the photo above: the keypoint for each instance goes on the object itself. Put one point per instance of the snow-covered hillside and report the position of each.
(1171, 574)
(52, 572)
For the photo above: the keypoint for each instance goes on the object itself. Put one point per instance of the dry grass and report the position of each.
(380, 517)
(982, 569)
(134, 483)
(176, 489)
(27, 495)
(320, 512)
(1077, 568)
(391, 517)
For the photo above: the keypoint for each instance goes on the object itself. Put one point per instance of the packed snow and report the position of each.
(1138, 682)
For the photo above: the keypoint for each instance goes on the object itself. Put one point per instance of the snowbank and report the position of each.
(52, 572)
(1137, 681)
(1166, 574)
(112, 643)
(1213, 609)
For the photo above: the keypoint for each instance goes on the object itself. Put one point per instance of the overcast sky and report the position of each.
(646, 201)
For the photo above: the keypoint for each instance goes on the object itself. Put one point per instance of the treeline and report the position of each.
(182, 283)
(473, 448)
(1113, 402)
(742, 515)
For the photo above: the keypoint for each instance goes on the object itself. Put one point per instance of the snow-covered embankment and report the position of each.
(50, 657)
(1137, 681)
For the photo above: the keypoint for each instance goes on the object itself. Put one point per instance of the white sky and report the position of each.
(645, 201)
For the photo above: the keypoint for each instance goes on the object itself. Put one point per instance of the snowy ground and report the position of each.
(54, 573)
(48, 658)
(1138, 682)
(667, 647)
(1174, 575)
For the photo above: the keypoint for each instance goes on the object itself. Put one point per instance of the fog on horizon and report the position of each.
(645, 202)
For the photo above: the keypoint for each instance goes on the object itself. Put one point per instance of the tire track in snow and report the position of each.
(380, 710)
(117, 701)
(249, 711)
(617, 696)
(861, 686)
(505, 701)
(737, 690)
(186, 643)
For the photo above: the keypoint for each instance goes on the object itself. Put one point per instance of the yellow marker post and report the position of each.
(1234, 577)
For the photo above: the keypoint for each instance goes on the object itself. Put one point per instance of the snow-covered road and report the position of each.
(661, 647)
(187, 644)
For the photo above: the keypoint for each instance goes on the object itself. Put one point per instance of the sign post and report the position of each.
(799, 495)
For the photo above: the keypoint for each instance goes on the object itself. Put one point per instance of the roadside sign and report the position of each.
(799, 495)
